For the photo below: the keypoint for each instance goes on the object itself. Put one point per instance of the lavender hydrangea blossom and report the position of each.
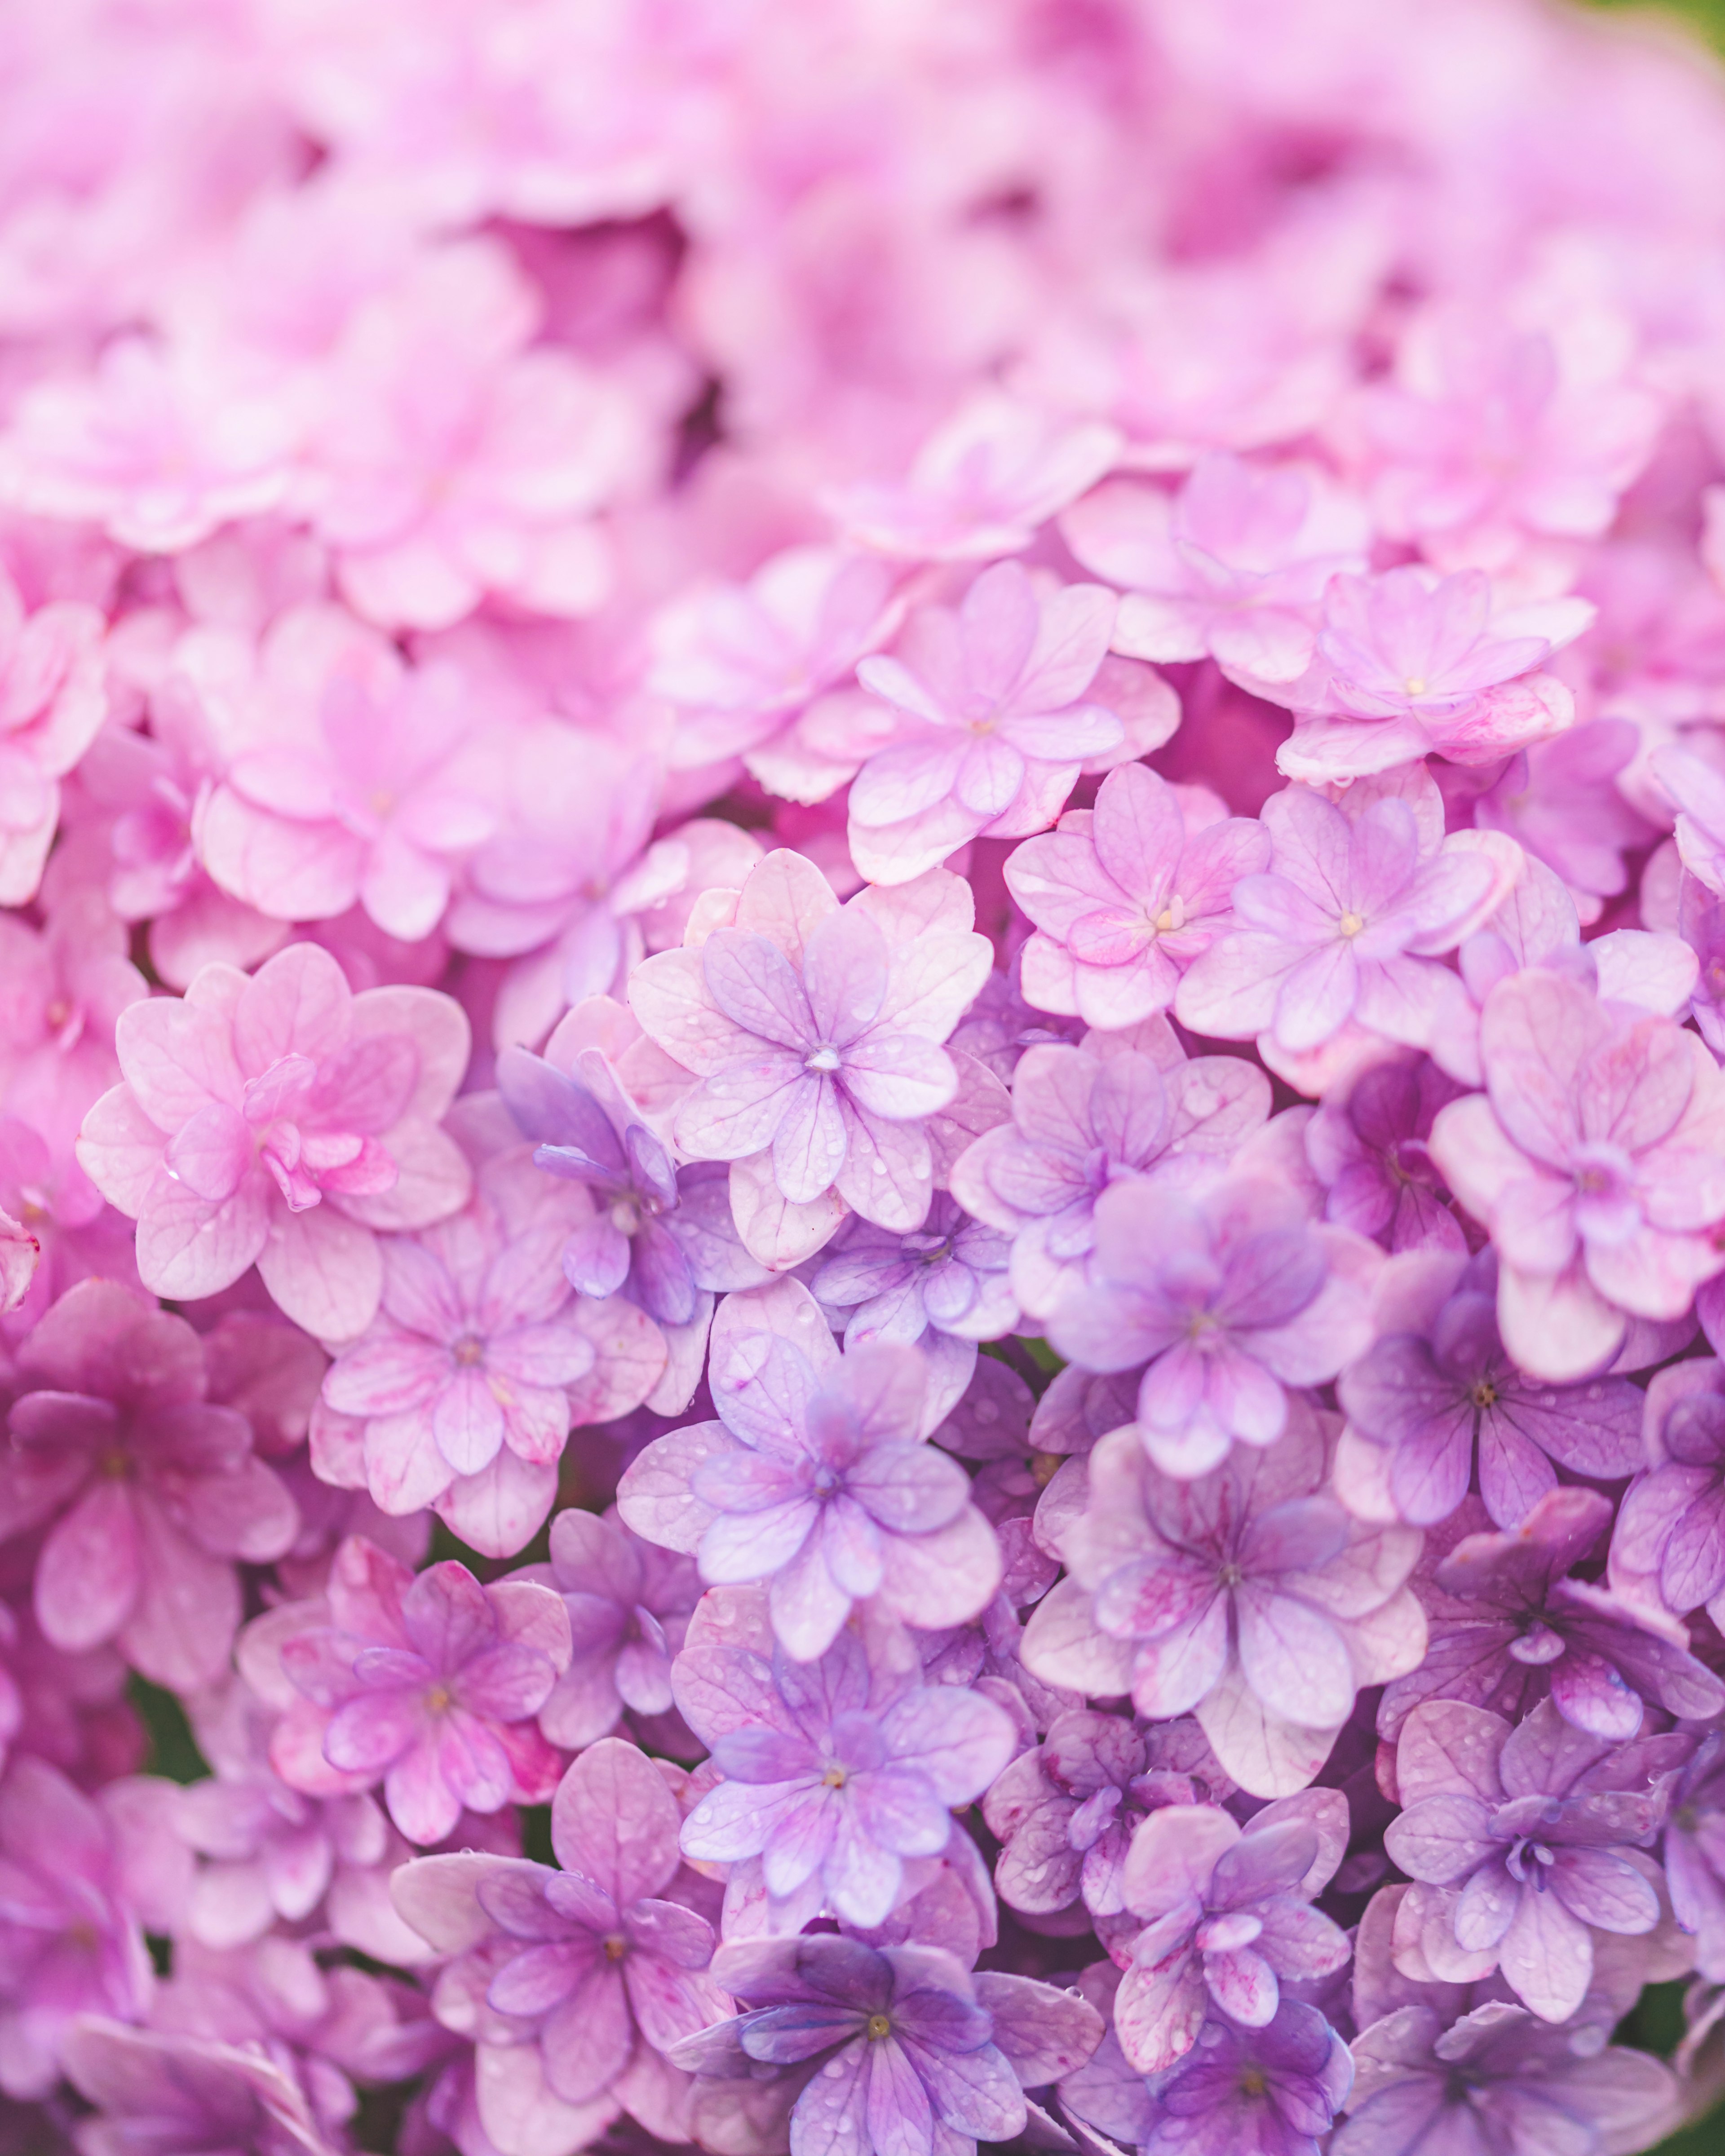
(1440, 1401)
(1518, 1839)
(897, 2051)
(1227, 1915)
(1499, 2077)
(1668, 1541)
(834, 1771)
(661, 1236)
(573, 1982)
(816, 1479)
(1510, 1625)
(1083, 1118)
(1229, 1299)
(1248, 1597)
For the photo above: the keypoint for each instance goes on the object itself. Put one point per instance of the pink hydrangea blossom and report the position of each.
(151, 1495)
(280, 1121)
(1233, 567)
(1360, 899)
(1590, 1157)
(996, 720)
(375, 808)
(53, 700)
(1409, 663)
(426, 1682)
(1126, 894)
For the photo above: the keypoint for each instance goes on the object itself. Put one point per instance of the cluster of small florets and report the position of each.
(862, 1150)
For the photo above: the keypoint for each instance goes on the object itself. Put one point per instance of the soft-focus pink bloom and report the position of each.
(1408, 664)
(425, 1682)
(1489, 437)
(281, 1120)
(453, 463)
(742, 662)
(1595, 1157)
(153, 447)
(376, 805)
(994, 725)
(1562, 801)
(143, 792)
(981, 485)
(151, 1494)
(84, 1877)
(813, 1032)
(1233, 568)
(52, 702)
(1125, 895)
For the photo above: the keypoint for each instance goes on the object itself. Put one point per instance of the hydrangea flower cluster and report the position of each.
(862, 1078)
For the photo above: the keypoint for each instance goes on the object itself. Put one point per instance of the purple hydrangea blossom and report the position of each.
(1515, 1839)
(1227, 1916)
(427, 1682)
(812, 1033)
(152, 1496)
(164, 2091)
(1668, 1540)
(1368, 1146)
(816, 1478)
(1228, 1299)
(1498, 2078)
(834, 1771)
(1362, 898)
(1088, 1117)
(629, 1604)
(1694, 1852)
(894, 2051)
(1065, 1812)
(1248, 1597)
(941, 1289)
(1124, 896)
(1272, 2090)
(1510, 1626)
(663, 1238)
(573, 1982)
(997, 716)
(1596, 1156)
(1437, 1400)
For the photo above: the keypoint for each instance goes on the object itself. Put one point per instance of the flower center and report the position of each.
(439, 1699)
(1252, 2081)
(1044, 1467)
(616, 1946)
(1415, 685)
(879, 2026)
(468, 1350)
(834, 1778)
(1351, 924)
(1228, 1575)
(1483, 1395)
(1172, 917)
(115, 1465)
(823, 1058)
